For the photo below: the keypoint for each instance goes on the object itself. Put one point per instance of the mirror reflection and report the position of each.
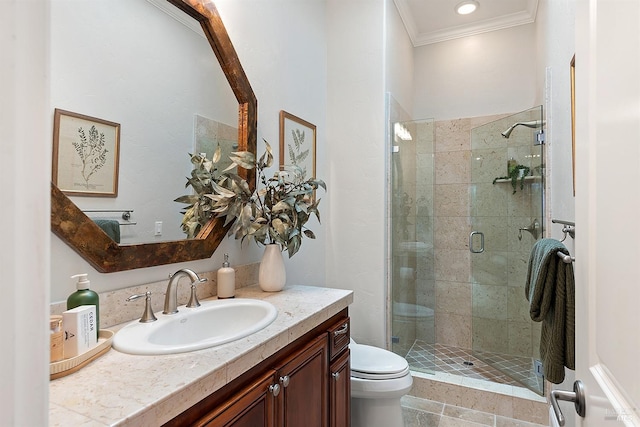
(161, 83)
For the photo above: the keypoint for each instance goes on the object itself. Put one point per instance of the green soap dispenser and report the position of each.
(84, 296)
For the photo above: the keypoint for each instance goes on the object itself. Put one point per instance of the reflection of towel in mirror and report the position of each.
(550, 291)
(111, 227)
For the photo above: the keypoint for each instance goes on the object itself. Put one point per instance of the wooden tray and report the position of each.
(69, 366)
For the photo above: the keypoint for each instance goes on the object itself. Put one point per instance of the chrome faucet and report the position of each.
(171, 297)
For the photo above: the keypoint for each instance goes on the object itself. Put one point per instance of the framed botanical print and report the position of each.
(297, 144)
(85, 154)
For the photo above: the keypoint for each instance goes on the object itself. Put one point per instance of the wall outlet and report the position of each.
(158, 229)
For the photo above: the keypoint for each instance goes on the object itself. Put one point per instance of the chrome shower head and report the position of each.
(532, 124)
(507, 133)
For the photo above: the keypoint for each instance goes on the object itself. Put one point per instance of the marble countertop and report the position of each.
(130, 390)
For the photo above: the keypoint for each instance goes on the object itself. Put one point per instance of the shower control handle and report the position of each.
(532, 228)
(577, 397)
(471, 248)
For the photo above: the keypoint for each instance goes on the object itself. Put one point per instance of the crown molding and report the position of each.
(523, 17)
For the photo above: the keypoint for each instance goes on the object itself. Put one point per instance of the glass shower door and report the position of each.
(506, 219)
(411, 236)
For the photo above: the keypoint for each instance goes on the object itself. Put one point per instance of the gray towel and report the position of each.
(110, 226)
(550, 290)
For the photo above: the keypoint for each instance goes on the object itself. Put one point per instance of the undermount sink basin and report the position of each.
(214, 323)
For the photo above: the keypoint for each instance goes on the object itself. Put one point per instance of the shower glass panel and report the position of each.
(506, 220)
(411, 235)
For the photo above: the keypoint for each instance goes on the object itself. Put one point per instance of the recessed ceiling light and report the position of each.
(466, 7)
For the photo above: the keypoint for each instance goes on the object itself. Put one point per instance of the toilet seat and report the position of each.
(374, 363)
(370, 376)
(379, 378)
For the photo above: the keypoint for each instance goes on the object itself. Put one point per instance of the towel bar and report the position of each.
(560, 221)
(126, 214)
(567, 259)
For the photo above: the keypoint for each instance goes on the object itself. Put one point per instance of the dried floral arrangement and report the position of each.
(275, 212)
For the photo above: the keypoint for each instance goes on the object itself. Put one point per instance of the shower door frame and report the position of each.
(410, 242)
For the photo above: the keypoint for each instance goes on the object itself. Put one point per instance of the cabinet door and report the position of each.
(340, 391)
(303, 378)
(253, 406)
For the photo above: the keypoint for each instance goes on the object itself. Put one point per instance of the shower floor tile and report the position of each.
(498, 368)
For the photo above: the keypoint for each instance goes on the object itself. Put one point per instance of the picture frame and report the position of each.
(86, 153)
(297, 144)
(572, 70)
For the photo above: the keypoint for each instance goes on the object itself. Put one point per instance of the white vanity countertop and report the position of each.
(129, 390)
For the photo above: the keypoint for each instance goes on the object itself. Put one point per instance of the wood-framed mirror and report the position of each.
(82, 234)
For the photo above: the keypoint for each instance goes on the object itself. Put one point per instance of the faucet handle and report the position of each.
(193, 299)
(148, 315)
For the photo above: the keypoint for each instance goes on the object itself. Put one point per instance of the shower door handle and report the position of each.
(476, 251)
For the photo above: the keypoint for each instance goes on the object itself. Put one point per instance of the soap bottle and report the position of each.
(226, 280)
(84, 296)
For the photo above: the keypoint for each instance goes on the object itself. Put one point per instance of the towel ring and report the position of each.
(564, 237)
(568, 228)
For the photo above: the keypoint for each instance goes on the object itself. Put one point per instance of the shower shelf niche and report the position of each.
(526, 178)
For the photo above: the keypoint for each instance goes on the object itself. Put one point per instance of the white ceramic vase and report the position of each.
(272, 275)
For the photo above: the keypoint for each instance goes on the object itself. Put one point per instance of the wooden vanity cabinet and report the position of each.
(339, 374)
(252, 407)
(306, 384)
(340, 392)
(303, 399)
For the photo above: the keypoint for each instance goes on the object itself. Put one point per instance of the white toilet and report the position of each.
(379, 378)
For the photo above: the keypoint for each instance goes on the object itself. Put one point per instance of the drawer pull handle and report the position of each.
(343, 330)
(336, 375)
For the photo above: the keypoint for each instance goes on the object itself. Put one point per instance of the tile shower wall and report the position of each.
(452, 227)
(501, 322)
(424, 254)
(459, 296)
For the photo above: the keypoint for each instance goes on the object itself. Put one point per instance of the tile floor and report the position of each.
(493, 367)
(426, 413)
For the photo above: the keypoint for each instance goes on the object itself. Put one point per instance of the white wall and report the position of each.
(282, 47)
(266, 35)
(25, 175)
(556, 29)
(557, 47)
(355, 255)
(485, 74)
(398, 58)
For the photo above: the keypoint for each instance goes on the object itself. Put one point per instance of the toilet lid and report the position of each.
(368, 361)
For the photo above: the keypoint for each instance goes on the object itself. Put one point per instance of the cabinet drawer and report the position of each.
(339, 335)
